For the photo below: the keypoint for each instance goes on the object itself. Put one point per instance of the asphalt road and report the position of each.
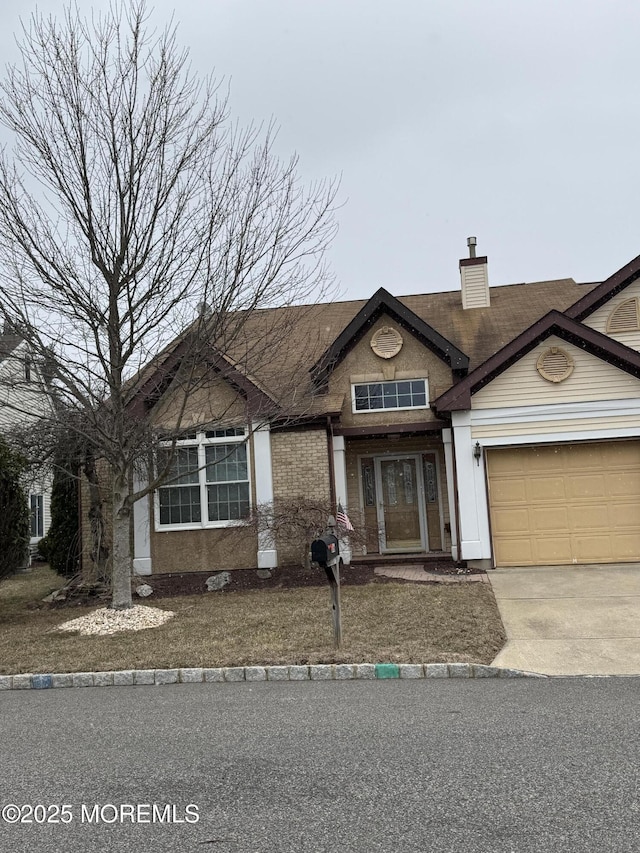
(393, 766)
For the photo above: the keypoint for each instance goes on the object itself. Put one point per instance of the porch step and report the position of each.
(426, 560)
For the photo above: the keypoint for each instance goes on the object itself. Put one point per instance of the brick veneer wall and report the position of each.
(300, 465)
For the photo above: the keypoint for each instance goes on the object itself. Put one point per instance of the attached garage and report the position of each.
(565, 503)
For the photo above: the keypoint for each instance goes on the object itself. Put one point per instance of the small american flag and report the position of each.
(342, 519)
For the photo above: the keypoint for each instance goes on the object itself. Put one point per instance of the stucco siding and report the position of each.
(521, 385)
(213, 401)
(203, 550)
(414, 361)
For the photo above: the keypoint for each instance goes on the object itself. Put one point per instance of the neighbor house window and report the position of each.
(208, 484)
(37, 516)
(376, 396)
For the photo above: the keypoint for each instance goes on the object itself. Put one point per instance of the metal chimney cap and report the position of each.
(471, 241)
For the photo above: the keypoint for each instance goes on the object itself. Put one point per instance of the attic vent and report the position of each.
(555, 364)
(386, 342)
(625, 317)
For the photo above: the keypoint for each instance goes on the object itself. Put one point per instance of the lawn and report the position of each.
(405, 623)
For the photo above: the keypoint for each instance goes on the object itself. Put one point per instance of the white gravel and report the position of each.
(106, 621)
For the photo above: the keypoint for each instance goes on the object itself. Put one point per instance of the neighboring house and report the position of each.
(21, 403)
(499, 426)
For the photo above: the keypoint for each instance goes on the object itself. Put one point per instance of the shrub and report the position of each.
(60, 546)
(14, 511)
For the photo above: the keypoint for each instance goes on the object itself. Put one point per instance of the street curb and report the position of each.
(314, 672)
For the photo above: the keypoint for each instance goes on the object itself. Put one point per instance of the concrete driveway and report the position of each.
(570, 620)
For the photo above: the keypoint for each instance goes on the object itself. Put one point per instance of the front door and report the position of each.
(401, 517)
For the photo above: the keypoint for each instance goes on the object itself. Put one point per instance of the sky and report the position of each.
(516, 121)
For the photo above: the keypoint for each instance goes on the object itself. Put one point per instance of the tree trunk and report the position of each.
(95, 568)
(122, 564)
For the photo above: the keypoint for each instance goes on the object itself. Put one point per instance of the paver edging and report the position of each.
(315, 672)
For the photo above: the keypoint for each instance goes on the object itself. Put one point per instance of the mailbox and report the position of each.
(325, 550)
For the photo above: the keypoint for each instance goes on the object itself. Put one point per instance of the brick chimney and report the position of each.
(474, 278)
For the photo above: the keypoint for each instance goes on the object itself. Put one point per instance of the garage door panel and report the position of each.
(540, 460)
(511, 521)
(563, 504)
(585, 518)
(624, 454)
(552, 550)
(514, 552)
(548, 519)
(628, 545)
(625, 483)
(543, 489)
(592, 549)
(585, 486)
(623, 516)
(510, 491)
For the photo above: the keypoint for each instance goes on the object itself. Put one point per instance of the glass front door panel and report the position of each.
(401, 504)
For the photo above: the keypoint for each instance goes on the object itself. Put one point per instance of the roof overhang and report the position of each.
(382, 302)
(604, 291)
(458, 397)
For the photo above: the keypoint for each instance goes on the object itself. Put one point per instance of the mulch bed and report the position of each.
(193, 583)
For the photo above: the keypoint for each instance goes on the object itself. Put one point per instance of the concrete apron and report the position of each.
(570, 620)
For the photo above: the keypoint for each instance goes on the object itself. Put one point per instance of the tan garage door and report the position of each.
(572, 503)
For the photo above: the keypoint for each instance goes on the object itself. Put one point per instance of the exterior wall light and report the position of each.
(477, 453)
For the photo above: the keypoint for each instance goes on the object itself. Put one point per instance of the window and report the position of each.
(37, 516)
(376, 396)
(208, 482)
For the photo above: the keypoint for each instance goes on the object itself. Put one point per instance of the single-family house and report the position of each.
(497, 425)
(22, 401)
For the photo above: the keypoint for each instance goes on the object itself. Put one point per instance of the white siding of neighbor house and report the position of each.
(521, 385)
(598, 320)
(21, 403)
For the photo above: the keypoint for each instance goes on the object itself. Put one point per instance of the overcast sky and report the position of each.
(513, 120)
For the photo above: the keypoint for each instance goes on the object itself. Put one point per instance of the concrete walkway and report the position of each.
(570, 620)
(418, 574)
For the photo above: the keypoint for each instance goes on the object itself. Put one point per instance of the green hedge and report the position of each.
(14, 511)
(60, 546)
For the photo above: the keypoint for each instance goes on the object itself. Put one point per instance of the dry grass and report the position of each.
(380, 622)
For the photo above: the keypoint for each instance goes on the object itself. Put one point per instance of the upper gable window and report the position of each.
(382, 396)
(624, 318)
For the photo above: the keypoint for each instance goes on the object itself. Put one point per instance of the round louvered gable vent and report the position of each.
(386, 342)
(555, 364)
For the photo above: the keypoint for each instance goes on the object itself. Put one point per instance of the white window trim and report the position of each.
(391, 408)
(201, 442)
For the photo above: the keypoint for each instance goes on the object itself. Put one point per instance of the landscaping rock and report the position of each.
(264, 574)
(218, 581)
(144, 590)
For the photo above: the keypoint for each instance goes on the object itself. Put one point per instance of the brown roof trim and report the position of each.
(458, 398)
(591, 301)
(472, 262)
(391, 429)
(383, 302)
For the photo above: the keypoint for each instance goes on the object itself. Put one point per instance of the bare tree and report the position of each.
(138, 223)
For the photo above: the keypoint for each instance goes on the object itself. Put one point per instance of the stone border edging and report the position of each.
(311, 672)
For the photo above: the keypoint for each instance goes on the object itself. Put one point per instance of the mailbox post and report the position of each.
(325, 551)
